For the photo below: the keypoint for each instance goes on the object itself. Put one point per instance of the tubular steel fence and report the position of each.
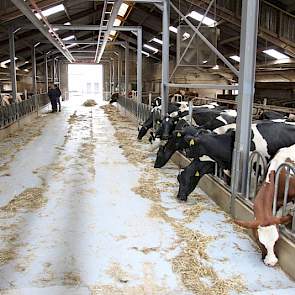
(289, 168)
(13, 112)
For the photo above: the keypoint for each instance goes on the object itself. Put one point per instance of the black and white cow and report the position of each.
(218, 148)
(176, 141)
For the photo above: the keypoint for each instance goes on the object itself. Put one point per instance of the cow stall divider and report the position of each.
(260, 170)
(10, 114)
(217, 189)
(289, 168)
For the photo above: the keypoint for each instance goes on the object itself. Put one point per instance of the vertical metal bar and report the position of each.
(46, 72)
(165, 57)
(34, 82)
(139, 65)
(59, 72)
(12, 65)
(287, 182)
(248, 47)
(275, 198)
(119, 72)
(126, 70)
(54, 70)
(113, 75)
(190, 112)
(110, 79)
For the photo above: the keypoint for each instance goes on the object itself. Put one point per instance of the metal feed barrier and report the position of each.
(11, 113)
(259, 174)
(288, 168)
(140, 110)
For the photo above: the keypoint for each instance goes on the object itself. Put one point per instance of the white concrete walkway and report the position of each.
(84, 212)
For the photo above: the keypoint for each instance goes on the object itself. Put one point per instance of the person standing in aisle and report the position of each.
(52, 97)
(58, 95)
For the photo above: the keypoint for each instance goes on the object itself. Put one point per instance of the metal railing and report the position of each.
(140, 110)
(288, 168)
(13, 112)
(259, 174)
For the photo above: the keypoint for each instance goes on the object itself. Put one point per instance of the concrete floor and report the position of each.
(93, 229)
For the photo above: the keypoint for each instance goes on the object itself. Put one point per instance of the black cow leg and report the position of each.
(181, 195)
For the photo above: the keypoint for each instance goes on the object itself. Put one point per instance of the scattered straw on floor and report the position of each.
(192, 264)
(89, 103)
(29, 200)
(6, 256)
(72, 279)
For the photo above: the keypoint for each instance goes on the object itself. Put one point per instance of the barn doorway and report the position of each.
(85, 82)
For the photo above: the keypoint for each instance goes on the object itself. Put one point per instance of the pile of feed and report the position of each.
(89, 103)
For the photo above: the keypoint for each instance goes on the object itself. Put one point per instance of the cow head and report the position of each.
(166, 127)
(142, 132)
(175, 143)
(265, 224)
(189, 178)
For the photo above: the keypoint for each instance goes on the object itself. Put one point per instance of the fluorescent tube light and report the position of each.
(123, 9)
(157, 41)
(71, 45)
(117, 22)
(173, 29)
(69, 38)
(235, 57)
(145, 53)
(52, 10)
(206, 21)
(155, 50)
(276, 54)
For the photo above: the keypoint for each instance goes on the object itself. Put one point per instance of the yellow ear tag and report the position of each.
(178, 134)
(192, 142)
(197, 173)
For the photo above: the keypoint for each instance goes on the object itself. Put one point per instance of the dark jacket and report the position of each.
(54, 93)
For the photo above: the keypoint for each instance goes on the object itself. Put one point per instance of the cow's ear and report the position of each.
(192, 142)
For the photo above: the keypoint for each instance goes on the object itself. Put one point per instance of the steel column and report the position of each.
(165, 57)
(12, 65)
(126, 70)
(119, 71)
(248, 46)
(46, 72)
(34, 70)
(139, 65)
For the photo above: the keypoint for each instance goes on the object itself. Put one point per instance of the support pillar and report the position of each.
(126, 70)
(34, 70)
(12, 65)
(139, 65)
(46, 72)
(165, 57)
(248, 47)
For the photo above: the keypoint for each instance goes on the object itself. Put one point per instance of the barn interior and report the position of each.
(65, 228)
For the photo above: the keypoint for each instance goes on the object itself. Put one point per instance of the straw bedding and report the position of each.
(192, 264)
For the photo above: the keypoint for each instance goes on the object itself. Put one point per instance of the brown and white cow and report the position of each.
(265, 224)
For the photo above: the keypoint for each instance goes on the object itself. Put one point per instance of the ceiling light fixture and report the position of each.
(205, 20)
(50, 11)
